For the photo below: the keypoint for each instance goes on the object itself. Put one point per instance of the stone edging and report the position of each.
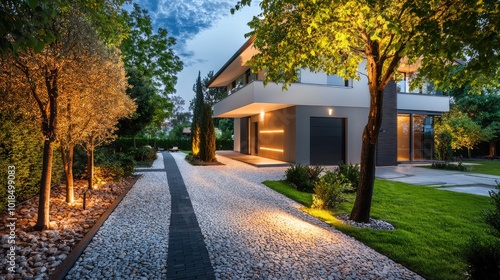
(63, 269)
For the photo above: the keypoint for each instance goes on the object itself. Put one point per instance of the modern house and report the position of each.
(320, 118)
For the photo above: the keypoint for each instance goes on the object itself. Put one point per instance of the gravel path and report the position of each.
(253, 232)
(132, 243)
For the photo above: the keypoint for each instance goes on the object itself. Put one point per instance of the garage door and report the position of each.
(327, 141)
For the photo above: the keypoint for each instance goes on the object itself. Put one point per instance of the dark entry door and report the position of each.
(327, 141)
(244, 135)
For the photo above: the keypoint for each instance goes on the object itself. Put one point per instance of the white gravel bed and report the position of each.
(132, 243)
(253, 232)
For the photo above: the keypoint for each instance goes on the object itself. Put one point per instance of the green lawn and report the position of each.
(486, 166)
(431, 225)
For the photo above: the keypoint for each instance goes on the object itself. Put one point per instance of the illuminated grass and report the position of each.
(432, 225)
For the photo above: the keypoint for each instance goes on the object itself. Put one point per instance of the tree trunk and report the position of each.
(362, 205)
(67, 157)
(90, 166)
(493, 148)
(43, 220)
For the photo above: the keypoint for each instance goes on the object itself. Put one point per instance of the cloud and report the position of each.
(184, 19)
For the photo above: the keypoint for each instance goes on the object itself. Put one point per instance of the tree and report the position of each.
(483, 108)
(27, 24)
(151, 57)
(143, 92)
(38, 71)
(464, 132)
(337, 36)
(207, 135)
(197, 117)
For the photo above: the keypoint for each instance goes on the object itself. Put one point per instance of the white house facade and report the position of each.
(320, 119)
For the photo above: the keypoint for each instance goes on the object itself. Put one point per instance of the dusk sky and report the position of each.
(207, 34)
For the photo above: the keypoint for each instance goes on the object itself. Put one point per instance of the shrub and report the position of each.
(492, 216)
(329, 190)
(450, 166)
(349, 174)
(303, 177)
(111, 165)
(482, 258)
(144, 153)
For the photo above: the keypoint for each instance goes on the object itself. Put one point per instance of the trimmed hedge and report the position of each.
(123, 143)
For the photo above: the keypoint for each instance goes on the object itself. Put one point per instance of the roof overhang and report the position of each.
(235, 66)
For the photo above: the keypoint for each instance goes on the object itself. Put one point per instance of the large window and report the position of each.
(415, 137)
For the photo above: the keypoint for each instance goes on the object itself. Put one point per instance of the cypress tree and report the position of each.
(197, 113)
(207, 137)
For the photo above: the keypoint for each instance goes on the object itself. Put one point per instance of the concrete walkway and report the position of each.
(466, 182)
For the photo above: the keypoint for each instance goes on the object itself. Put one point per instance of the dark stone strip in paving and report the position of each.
(149, 170)
(187, 256)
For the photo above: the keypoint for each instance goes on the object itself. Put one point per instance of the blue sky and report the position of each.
(207, 34)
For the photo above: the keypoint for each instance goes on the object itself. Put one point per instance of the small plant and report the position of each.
(350, 173)
(482, 258)
(492, 216)
(303, 177)
(329, 191)
(450, 166)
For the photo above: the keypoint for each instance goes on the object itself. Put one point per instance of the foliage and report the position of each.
(22, 147)
(450, 166)
(27, 24)
(207, 135)
(336, 37)
(151, 67)
(197, 117)
(112, 166)
(329, 191)
(483, 258)
(210, 95)
(349, 174)
(442, 142)
(492, 216)
(226, 127)
(143, 153)
(483, 108)
(465, 133)
(303, 177)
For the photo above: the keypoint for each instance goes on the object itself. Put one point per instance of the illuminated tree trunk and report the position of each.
(90, 162)
(362, 204)
(67, 157)
(49, 121)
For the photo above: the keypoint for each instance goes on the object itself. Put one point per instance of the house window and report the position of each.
(415, 137)
(335, 80)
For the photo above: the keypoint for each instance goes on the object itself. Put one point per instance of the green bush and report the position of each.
(303, 177)
(450, 166)
(144, 153)
(350, 174)
(492, 216)
(21, 146)
(329, 190)
(111, 165)
(482, 258)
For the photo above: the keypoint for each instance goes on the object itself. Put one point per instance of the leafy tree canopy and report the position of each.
(149, 52)
(27, 24)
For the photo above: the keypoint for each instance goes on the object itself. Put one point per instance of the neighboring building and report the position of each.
(320, 118)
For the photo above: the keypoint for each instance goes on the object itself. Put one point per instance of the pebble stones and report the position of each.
(254, 232)
(132, 243)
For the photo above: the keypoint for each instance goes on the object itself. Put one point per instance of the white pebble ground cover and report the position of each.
(252, 232)
(132, 243)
